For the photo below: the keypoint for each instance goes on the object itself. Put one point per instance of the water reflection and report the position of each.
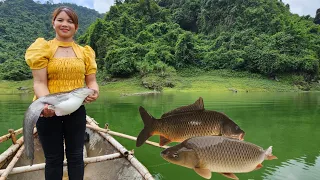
(286, 121)
(294, 169)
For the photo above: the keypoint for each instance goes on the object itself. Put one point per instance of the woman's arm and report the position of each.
(40, 86)
(40, 82)
(91, 83)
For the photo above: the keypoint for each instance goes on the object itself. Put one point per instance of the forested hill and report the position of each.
(160, 36)
(157, 38)
(21, 22)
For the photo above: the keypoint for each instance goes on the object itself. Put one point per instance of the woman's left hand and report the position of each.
(92, 98)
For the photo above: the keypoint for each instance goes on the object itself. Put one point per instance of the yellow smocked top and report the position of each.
(64, 74)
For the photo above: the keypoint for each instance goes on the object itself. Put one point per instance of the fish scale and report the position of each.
(180, 127)
(228, 155)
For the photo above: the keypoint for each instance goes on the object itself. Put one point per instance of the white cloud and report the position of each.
(85, 3)
(102, 6)
(303, 7)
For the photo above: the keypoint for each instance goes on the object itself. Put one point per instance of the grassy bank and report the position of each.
(227, 80)
(195, 80)
(14, 87)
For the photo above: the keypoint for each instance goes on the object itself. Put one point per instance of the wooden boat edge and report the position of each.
(128, 155)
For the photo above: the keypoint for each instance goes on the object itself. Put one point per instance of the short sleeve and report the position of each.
(38, 54)
(90, 60)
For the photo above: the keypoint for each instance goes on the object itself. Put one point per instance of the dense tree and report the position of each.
(260, 36)
(156, 38)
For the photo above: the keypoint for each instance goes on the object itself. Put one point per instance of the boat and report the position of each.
(104, 157)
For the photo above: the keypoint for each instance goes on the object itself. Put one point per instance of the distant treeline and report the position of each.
(163, 36)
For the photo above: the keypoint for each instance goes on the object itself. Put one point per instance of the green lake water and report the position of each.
(287, 121)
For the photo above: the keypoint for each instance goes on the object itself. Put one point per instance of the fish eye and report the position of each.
(175, 155)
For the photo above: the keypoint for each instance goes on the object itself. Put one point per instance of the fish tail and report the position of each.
(30, 119)
(146, 132)
(31, 162)
(269, 155)
(28, 144)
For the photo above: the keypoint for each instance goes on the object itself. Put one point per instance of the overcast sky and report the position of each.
(301, 7)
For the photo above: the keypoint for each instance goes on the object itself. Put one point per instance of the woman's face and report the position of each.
(64, 27)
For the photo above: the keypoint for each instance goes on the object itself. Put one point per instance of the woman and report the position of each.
(62, 65)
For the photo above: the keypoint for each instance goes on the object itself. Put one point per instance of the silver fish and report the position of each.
(62, 103)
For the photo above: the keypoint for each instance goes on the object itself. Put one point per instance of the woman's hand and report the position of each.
(91, 83)
(92, 97)
(47, 112)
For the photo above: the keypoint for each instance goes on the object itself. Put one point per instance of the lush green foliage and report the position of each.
(259, 36)
(21, 22)
(155, 39)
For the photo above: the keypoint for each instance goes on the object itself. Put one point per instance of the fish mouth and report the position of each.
(164, 154)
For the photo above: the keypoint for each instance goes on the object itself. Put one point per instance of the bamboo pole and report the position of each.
(13, 148)
(123, 135)
(8, 136)
(141, 168)
(41, 166)
(15, 159)
(13, 136)
(114, 142)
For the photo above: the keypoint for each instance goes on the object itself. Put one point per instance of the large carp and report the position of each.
(217, 154)
(185, 122)
(62, 103)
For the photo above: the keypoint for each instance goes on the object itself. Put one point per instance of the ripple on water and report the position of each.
(293, 169)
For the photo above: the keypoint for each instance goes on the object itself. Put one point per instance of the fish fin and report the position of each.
(146, 132)
(272, 157)
(51, 107)
(198, 105)
(230, 175)
(143, 136)
(58, 113)
(269, 155)
(258, 166)
(205, 173)
(164, 141)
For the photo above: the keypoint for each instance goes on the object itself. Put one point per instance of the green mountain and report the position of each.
(161, 37)
(21, 22)
(156, 39)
